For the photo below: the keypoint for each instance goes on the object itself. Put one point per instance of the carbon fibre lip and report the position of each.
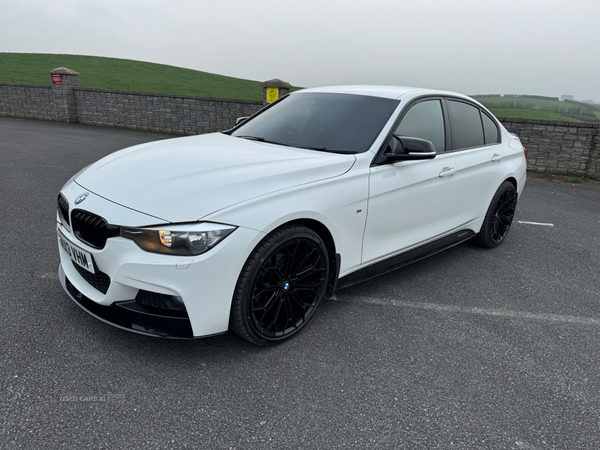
(129, 316)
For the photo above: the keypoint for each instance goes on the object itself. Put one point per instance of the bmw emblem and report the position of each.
(81, 198)
(286, 286)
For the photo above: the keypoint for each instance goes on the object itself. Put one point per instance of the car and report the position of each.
(249, 229)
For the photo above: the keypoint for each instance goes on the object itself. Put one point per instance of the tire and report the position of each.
(499, 217)
(280, 286)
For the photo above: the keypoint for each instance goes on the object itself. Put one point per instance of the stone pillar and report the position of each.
(274, 89)
(593, 168)
(63, 82)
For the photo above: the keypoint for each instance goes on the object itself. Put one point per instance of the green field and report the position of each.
(534, 108)
(529, 114)
(129, 75)
(125, 74)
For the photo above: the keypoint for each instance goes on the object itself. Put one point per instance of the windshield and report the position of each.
(328, 122)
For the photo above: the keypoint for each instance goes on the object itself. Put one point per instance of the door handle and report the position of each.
(496, 157)
(447, 172)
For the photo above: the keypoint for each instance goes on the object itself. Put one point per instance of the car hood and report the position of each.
(185, 179)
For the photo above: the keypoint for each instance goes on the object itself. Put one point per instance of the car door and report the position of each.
(409, 201)
(475, 142)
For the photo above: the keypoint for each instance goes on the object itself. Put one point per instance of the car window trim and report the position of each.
(492, 118)
(481, 111)
(378, 160)
(257, 113)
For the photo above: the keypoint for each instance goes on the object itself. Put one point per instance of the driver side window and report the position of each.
(425, 120)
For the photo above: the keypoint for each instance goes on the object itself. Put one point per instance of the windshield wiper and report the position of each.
(324, 149)
(319, 149)
(252, 138)
(262, 139)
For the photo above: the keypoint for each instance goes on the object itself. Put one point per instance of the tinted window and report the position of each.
(329, 122)
(465, 122)
(425, 120)
(490, 130)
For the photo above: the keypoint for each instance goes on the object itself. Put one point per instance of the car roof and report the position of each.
(394, 92)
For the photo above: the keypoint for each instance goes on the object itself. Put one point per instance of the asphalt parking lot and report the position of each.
(470, 348)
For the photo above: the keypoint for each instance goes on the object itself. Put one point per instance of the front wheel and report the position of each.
(499, 217)
(280, 286)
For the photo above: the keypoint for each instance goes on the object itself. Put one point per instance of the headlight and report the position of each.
(184, 240)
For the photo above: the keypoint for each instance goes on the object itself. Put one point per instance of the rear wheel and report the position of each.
(280, 286)
(499, 217)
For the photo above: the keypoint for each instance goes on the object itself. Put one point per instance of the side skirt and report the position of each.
(404, 259)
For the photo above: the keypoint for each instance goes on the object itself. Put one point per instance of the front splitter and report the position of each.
(128, 315)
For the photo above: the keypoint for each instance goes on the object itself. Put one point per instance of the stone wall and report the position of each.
(177, 114)
(563, 148)
(567, 148)
(29, 101)
(65, 101)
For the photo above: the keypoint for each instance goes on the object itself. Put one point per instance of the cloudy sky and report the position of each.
(543, 47)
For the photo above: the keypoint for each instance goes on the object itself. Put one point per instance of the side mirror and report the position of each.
(406, 148)
(240, 120)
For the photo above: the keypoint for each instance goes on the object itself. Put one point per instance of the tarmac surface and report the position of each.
(468, 349)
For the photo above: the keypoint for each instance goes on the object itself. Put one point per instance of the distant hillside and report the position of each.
(126, 74)
(538, 107)
(529, 114)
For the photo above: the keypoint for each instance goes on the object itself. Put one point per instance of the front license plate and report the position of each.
(78, 256)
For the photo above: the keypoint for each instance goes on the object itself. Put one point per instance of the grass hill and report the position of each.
(537, 107)
(129, 75)
(529, 114)
(126, 74)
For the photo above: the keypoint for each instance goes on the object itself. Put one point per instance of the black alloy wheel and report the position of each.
(499, 216)
(281, 285)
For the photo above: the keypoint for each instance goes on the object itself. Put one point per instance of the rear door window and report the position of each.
(490, 130)
(466, 126)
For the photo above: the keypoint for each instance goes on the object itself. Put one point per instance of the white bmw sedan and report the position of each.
(251, 228)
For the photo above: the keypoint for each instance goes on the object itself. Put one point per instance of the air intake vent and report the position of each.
(99, 280)
(166, 303)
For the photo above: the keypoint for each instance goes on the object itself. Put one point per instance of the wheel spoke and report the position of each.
(300, 264)
(503, 222)
(274, 296)
(299, 301)
(281, 271)
(495, 229)
(305, 286)
(504, 203)
(310, 301)
(289, 314)
(291, 257)
(310, 270)
(270, 325)
(275, 271)
(307, 274)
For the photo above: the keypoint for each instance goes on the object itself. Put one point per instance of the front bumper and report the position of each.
(129, 315)
(204, 283)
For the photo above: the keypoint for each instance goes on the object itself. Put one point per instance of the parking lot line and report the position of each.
(536, 223)
(473, 310)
